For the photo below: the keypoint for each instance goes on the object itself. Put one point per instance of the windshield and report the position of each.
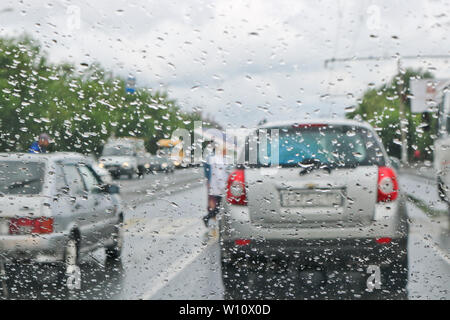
(173, 203)
(334, 146)
(19, 177)
(118, 151)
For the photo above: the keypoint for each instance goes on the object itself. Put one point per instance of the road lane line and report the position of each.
(176, 268)
(178, 226)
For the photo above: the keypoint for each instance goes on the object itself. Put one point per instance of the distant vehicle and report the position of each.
(161, 163)
(333, 201)
(125, 156)
(102, 173)
(174, 151)
(442, 150)
(35, 228)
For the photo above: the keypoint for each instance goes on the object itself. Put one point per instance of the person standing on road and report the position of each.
(207, 171)
(217, 183)
(41, 145)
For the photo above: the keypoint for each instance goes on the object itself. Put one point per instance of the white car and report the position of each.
(329, 201)
(54, 208)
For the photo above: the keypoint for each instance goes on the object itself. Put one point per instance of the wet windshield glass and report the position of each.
(19, 177)
(159, 183)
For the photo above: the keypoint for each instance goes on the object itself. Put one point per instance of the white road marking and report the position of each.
(175, 268)
(162, 227)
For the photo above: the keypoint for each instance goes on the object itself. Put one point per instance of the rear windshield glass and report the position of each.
(118, 151)
(333, 146)
(19, 177)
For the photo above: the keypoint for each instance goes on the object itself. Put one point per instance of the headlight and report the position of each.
(101, 165)
(176, 163)
(146, 166)
(125, 164)
(164, 165)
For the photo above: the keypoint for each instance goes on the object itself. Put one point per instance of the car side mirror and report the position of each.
(111, 188)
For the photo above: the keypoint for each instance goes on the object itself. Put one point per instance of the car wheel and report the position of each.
(398, 276)
(71, 279)
(229, 281)
(234, 279)
(442, 190)
(114, 252)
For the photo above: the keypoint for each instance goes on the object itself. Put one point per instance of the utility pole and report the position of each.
(400, 89)
(404, 139)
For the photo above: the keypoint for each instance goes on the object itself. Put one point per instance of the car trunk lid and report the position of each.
(285, 198)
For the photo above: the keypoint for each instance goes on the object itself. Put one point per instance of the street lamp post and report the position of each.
(402, 116)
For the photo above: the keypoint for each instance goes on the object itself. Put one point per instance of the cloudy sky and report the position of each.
(242, 61)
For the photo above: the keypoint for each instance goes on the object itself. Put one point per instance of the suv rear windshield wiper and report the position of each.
(311, 164)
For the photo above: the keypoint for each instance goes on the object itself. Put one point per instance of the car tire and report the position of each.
(229, 281)
(398, 275)
(234, 279)
(442, 191)
(70, 266)
(114, 251)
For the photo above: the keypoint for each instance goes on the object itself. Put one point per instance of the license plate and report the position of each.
(305, 199)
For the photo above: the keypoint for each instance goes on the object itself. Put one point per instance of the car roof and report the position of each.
(327, 121)
(43, 157)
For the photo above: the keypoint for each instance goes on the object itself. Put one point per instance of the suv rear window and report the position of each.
(334, 146)
(19, 177)
(118, 150)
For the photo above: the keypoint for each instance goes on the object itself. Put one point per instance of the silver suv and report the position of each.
(313, 199)
(54, 208)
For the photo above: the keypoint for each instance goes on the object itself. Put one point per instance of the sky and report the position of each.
(242, 61)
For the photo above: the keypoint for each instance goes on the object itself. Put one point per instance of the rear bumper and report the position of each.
(33, 249)
(336, 253)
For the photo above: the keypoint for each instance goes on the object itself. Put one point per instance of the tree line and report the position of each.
(80, 107)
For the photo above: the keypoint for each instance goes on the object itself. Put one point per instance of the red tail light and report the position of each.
(242, 242)
(387, 185)
(21, 226)
(236, 188)
(383, 240)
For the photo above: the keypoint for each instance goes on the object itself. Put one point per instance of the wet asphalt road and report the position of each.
(169, 254)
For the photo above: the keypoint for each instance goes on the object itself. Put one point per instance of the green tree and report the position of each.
(79, 107)
(380, 107)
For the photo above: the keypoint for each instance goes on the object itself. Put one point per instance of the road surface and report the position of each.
(170, 254)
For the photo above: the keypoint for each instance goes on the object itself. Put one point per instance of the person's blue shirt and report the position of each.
(35, 148)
